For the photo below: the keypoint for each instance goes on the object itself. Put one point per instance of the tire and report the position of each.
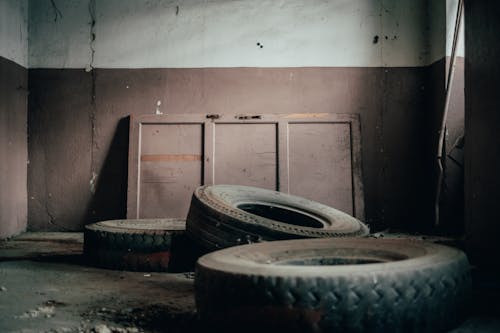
(135, 245)
(222, 216)
(334, 285)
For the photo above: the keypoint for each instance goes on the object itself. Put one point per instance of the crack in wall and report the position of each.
(57, 12)
(91, 8)
(52, 219)
(93, 107)
(44, 189)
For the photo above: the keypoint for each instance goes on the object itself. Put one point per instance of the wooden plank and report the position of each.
(171, 168)
(170, 157)
(208, 145)
(133, 169)
(320, 165)
(357, 175)
(283, 154)
(307, 115)
(165, 164)
(246, 154)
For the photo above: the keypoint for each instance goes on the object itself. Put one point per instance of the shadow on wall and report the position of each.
(65, 148)
(110, 197)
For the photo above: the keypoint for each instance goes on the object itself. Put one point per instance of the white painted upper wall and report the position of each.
(436, 17)
(451, 14)
(226, 33)
(59, 36)
(14, 31)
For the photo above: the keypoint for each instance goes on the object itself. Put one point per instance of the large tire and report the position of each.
(334, 285)
(222, 216)
(134, 245)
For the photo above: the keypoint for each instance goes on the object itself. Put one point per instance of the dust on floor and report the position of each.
(45, 287)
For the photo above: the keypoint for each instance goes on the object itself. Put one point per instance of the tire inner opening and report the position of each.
(331, 261)
(281, 214)
(333, 257)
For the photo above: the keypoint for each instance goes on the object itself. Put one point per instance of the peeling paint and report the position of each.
(158, 104)
(93, 182)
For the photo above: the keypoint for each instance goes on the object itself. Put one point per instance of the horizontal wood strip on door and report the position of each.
(170, 158)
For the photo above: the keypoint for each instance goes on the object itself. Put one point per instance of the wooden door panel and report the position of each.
(171, 167)
(316, 156)
(246, 154)
(320, 163)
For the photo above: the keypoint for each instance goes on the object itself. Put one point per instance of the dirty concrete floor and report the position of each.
(46, 287)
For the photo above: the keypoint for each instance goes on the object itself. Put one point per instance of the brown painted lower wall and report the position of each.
(78, 127)
(13, 148)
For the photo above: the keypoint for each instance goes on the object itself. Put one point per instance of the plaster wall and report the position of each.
(198, 34)
(96, 62)
(13, 117)
(14, 31)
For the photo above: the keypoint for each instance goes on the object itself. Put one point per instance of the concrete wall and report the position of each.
(14, 31)
(482, 125)
(96, 62)
(220, 33)
(13, 116)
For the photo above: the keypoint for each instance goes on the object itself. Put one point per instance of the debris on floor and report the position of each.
(56, 293)
(45, 311)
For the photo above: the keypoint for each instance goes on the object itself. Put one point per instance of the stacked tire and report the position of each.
(134, 245)
(222, 216)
